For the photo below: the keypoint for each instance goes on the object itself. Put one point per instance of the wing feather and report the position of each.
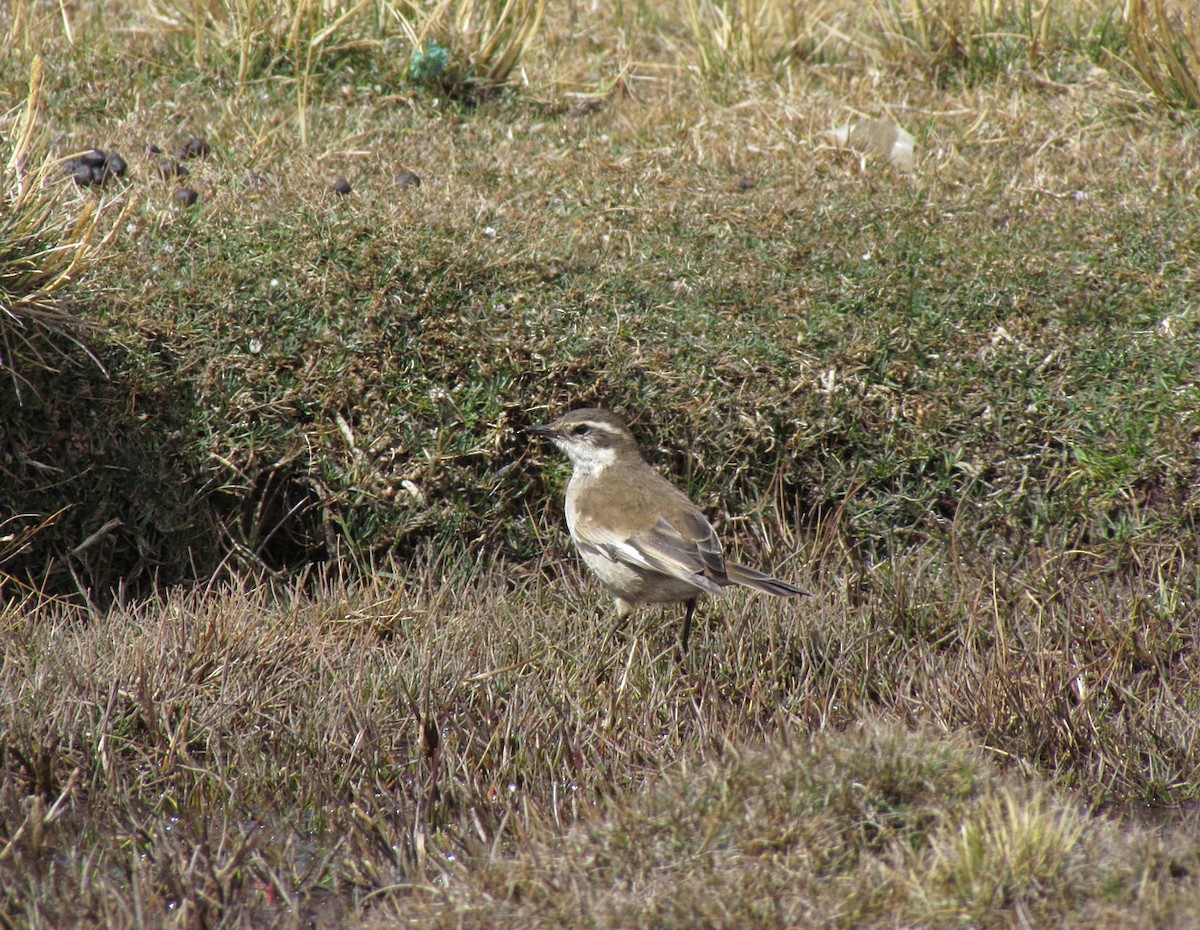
(661, 549)
(702, 536)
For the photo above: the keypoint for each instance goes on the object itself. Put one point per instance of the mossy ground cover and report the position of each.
(1001, 339)
(958, 402)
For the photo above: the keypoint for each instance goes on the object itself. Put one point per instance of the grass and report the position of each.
(1165, 50)
(291, 629)
(447, 744)
(969, 40)
(43, 250)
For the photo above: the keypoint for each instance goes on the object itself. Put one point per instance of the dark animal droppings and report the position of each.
(195, 147)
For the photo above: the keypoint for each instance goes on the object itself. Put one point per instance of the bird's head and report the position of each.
(592, 438)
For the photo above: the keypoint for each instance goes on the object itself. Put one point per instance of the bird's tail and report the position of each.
(752, 578)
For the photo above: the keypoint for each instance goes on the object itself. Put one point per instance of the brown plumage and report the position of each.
(640, 535)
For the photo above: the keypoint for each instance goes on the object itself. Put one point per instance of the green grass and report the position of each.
(436, 357)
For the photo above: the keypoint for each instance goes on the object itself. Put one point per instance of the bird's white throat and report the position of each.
(590, 462)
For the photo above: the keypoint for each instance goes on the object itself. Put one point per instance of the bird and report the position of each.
(639, 534)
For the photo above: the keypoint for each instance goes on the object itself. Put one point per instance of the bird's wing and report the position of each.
(700, 534)
(665, 549)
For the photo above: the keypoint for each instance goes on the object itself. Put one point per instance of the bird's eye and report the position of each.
(581, 430)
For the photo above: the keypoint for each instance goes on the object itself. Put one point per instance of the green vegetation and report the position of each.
(291, 632)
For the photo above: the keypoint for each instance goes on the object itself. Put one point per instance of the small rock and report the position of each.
(342, 186)
(195, 147)
(408, 179)
(186, 197)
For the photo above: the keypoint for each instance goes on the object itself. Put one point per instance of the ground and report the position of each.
(293, 634)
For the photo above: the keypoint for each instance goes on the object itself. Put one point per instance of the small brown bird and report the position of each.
(638, 533)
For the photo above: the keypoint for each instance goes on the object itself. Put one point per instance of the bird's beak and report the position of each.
(546, 432)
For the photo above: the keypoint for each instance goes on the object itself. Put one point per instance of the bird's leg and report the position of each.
(624, 609)
(687, 626)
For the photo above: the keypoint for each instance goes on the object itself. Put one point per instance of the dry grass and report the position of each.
(1164, 49)
(44, 249)
(457, 746)
(754, 38)
(970, 36)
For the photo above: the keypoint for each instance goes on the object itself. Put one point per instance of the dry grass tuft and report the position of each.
(1012, 851)
(975, 39)
(1164, 49)
(489, 37)
(751, 38)
(42, 249)
(466, 47)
